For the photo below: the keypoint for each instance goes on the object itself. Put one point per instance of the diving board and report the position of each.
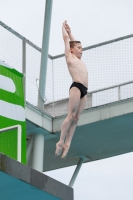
(102, 132)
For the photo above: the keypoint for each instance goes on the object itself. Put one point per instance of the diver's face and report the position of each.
(77, 50)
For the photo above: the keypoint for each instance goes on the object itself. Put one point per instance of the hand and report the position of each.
(66, 26)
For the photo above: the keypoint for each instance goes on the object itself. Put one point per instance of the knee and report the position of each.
(75, 119)
(71, 117)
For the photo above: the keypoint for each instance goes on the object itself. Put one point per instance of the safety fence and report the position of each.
(109, 64)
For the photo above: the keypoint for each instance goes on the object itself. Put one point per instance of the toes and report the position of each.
(65, 151)
(63, 157)
(56, 155)
(59, 149)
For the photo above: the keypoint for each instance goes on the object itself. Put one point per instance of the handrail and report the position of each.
(22, 37)
(61, 55)
(113, 86)
(94, 91)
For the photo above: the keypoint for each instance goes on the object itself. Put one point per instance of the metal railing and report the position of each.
(114, 86)
(98, 57)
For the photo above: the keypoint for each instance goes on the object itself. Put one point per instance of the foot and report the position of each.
(59, 148)
(65, 151)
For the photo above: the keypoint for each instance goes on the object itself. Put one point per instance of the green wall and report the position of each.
(12, 104)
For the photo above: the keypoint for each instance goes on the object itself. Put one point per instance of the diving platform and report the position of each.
(102, 132)
(18, 181)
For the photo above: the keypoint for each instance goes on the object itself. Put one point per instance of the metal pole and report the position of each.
(38, 149)
(76, 171)
(53, 88)
(44, 55)
(38, 152)
(119, 95)
(24, 66)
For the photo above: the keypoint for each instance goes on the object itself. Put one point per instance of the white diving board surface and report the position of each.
(102, 132)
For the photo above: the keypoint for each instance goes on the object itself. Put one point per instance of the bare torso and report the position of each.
(78, 70)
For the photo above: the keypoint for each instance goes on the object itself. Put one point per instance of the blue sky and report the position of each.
(91, 22)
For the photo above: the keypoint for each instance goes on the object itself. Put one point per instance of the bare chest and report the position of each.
(77, 66)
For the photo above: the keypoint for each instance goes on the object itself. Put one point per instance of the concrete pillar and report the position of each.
(38, 152)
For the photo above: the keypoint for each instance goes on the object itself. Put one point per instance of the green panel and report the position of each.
(8, 143)
(16, 99)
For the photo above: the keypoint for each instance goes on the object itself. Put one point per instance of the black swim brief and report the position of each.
(81, 87)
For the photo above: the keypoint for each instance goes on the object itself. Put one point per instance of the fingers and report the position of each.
(65, 23)
(66, 26)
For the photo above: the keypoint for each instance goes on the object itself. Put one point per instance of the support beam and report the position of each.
(81, 160)
(24, 65)
(38, 149)
(44, 55)
(38, 152)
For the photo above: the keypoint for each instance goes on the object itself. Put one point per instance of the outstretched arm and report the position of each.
(66, 39)
(68, 29)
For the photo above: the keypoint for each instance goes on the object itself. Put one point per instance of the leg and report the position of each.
(73, 126)
(74, 100)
